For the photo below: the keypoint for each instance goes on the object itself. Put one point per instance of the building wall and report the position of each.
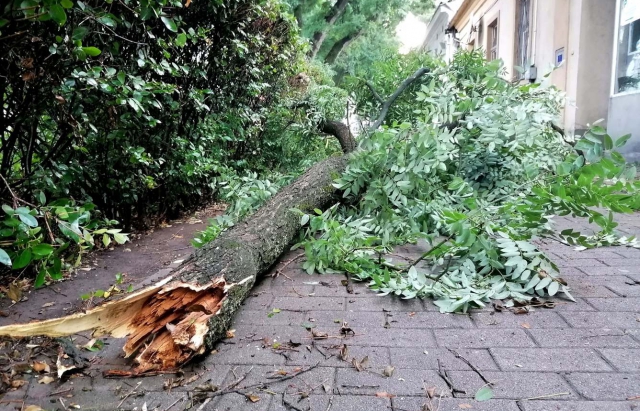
(582, 28)
(595, 61)
(436, 40)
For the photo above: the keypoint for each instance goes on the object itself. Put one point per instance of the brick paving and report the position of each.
(582, 356)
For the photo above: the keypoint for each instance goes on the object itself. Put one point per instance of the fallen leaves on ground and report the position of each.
(17, 383)
(485, 393)
(39, 366)
(33, 408)
(388, 371)
(231, 333)
(14, 292)
(526, 325)
(252, 397)
(465, 406)
(360, 365)
(46, 380)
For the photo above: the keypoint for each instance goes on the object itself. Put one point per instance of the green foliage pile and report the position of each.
(479, 174)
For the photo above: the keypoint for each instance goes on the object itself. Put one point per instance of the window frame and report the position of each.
(493, 36)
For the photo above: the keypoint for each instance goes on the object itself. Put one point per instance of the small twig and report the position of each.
(360, 386)
(204, 404)
(286, 264)
(60, 392)
(443, 374)
(547, 396)
(130, 392)
(427, 254)
(473, 367)
(349, 285)
(289, 405)
(330, 403)
(63, 404)
(174, 403)
(230, 389)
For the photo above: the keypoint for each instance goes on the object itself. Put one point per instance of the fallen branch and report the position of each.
(403, 86)
(473, 367)
(443, 374)
(188, 312)
(232, 390)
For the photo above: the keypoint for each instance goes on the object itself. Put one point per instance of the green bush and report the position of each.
(136, 105)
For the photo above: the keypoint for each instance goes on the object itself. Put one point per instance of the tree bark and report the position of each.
(320, 36)
(340, 45)
(340, 131)
(297, 12)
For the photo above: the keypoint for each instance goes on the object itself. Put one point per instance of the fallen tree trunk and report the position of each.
(189, 311)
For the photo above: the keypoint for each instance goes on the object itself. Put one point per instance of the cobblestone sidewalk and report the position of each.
(582, 356)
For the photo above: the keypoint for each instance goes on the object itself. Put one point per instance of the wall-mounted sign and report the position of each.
(559, 56)
(630, 11)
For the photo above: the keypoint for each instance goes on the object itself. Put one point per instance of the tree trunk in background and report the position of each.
(339, 46)
(320, 36)
(297, 12)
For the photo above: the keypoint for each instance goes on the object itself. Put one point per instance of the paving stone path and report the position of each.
(582, 356)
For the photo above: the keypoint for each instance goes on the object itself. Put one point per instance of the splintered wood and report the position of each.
(166, 323)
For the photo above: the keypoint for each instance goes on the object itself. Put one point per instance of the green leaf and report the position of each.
(23, 259)
(543, 283)
(42, 250)
(304, 219)
(67, 4)
(608, 142)
(79, 33)
(622, 140)
(120, 238)
(28, 219)
(485, 393)
(40, 278)
(169, 23)
(42, 198)
(598, 131)
(106, 240)
(4, 258)
(8, 210)
(553, 288)
(3, 22)
(91, 51)
(58, 14)
(181, 40)
(107, 21)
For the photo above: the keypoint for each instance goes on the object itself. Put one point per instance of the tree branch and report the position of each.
(387, 105)
(374, 92)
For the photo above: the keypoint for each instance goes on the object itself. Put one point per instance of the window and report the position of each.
(628, 59)
(492, 41)
(522, 35)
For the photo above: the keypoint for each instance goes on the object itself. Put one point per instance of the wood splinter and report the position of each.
(166, 324)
